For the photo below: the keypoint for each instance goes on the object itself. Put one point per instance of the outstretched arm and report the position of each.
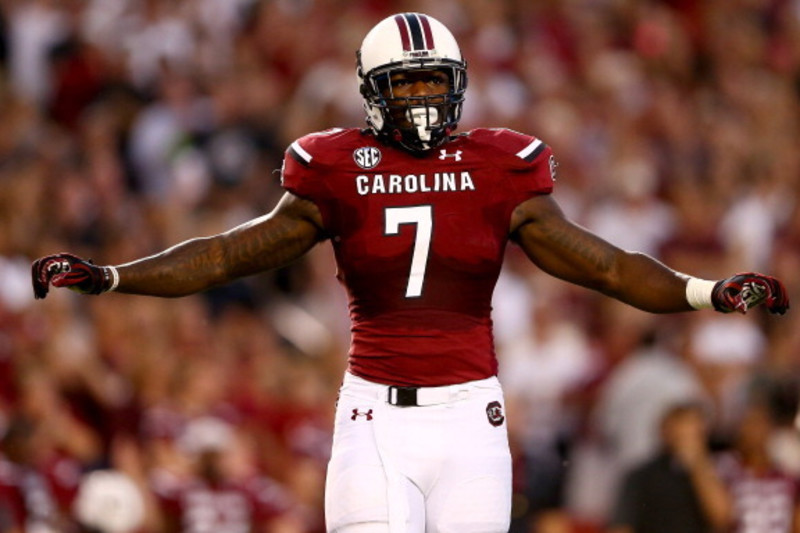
(568, 251)
(267, 242)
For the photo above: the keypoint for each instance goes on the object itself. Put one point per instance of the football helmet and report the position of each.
(399, 44)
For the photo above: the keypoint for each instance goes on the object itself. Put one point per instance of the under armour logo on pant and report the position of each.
(357, 413)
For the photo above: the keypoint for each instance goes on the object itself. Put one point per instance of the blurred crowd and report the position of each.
(127, 126)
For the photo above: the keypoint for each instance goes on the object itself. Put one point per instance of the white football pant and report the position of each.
(438, 468)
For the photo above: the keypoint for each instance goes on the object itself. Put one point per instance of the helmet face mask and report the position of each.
(416, 123)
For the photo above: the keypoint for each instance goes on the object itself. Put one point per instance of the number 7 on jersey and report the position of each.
(422, 216)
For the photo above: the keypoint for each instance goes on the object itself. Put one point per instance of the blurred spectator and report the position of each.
(764, 497)
(678, 489)
(633, 217)
(221, 491)
(648, 376)
(35, 29)
(637, 393)
(35, 494)
(724, 354)
(168, 167)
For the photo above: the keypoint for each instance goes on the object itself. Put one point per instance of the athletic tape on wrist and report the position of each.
(114, 278)
(698, 293)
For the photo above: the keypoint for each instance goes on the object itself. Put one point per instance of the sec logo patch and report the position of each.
(367, 157)
(494, 412)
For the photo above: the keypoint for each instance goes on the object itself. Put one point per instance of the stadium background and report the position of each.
(128, 126)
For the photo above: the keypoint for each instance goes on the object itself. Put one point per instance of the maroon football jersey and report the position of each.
(419, 243)
(763, 502)
(228, 507)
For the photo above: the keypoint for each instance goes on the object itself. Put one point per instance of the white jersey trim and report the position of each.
(301, 152)
(528, 150)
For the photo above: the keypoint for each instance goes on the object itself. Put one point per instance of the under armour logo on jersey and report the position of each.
(444, 155)
(494, 412)
(357, 413)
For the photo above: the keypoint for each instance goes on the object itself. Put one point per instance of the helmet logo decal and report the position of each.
(367, 157)
(414, 29)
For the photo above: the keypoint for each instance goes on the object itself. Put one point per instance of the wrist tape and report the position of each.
(698, 293)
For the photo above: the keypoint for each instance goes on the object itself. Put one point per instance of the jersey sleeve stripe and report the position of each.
(299, 155)
(530, 152)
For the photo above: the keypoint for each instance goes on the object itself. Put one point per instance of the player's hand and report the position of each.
(749, 289)
(67, 270)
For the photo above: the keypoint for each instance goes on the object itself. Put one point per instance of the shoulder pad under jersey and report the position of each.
(321, 147)
(518, 145)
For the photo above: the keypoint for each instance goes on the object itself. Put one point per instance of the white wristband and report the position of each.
(114, 278)
(698, 292)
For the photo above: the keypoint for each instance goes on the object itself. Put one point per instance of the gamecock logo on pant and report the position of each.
(494, 412)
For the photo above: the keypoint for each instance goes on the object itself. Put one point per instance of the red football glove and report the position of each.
(67, 270)
(749, 289)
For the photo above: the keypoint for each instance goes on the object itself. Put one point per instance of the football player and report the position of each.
(419, 217)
